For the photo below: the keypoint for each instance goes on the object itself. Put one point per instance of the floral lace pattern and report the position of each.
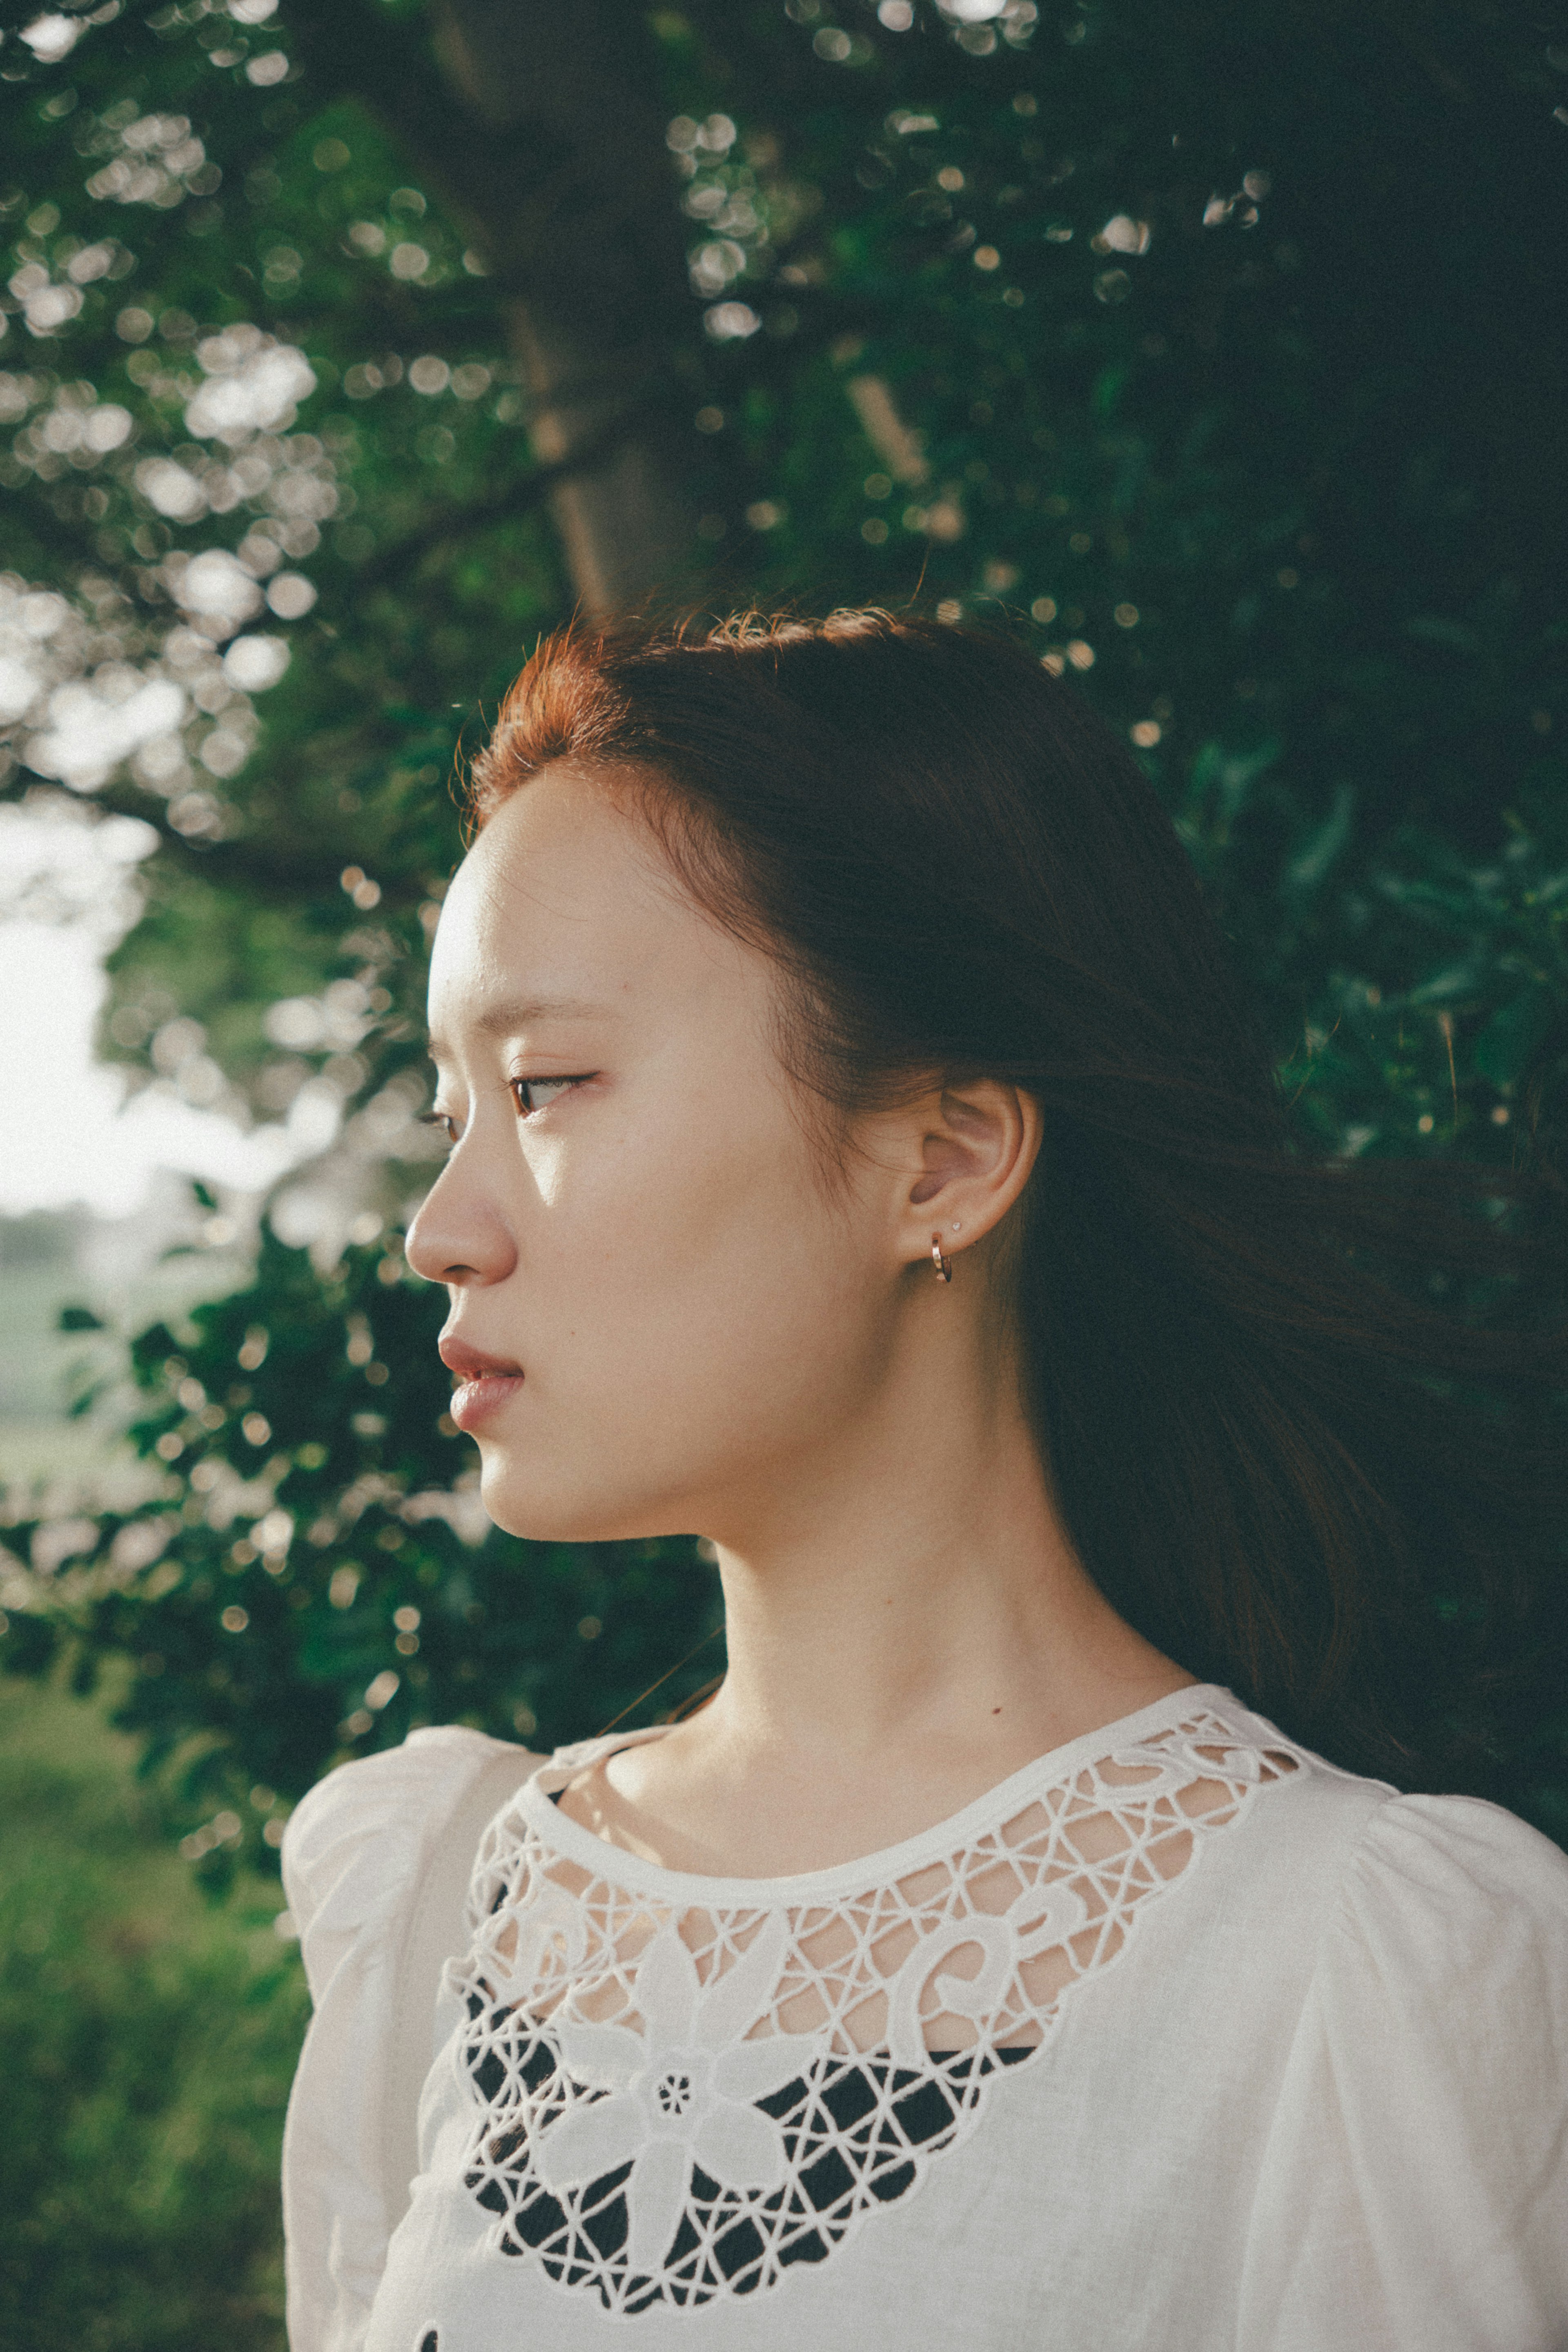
(679, 2103)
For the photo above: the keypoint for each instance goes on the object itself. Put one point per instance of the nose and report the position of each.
(459, 1236)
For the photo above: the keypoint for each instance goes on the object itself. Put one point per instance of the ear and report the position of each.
(978, 1142)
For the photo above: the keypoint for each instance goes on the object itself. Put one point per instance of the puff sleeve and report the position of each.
(359, 1854)
(1413, 2196)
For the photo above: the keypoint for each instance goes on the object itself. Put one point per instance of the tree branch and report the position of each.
(256, 862)
(528, 491)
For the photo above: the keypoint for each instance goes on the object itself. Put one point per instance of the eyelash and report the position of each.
(518, 1088)
(521, 1087)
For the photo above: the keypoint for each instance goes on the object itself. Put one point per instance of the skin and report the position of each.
(671, 1323)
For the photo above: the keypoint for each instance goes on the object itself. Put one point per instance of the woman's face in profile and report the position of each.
(665, 1316)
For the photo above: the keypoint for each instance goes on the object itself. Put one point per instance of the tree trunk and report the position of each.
(569, 182)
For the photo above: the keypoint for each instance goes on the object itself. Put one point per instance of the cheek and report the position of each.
(695, 1257)
(690, 1318)
(632, 1223)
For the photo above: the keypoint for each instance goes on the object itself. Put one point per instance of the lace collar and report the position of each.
(683, 2087)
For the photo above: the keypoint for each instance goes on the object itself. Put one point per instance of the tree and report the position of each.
(350, 346)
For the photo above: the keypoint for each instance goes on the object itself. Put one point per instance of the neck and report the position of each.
(908, 1626)
(916, 1593)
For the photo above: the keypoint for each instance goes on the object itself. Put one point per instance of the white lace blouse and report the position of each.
(1180, 2038)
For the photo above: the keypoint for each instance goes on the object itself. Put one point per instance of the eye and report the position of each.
(444, 1120)
(533, 1094)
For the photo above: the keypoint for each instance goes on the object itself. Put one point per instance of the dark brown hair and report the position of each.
(1274, 1456)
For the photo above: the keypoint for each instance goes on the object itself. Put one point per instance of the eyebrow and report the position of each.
(520, 1012)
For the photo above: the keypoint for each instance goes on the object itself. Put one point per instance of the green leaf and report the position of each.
(1310, 868)
(1445, 987)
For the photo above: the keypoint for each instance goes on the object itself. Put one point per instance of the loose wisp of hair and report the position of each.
(1276, 1457)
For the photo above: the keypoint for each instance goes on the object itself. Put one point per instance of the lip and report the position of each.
(484, 1383)
(478, 1398)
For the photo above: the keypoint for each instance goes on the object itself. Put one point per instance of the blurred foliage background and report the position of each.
(348, 346)
(148, 2039)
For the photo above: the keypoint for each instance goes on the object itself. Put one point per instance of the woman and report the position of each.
(859, 1159)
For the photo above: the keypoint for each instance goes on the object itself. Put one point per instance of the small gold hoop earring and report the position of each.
(944, 1265)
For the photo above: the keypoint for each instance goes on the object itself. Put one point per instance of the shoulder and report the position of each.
(375, 1867)
(355, 1846)
(1415, 2189)
(1390, 1916)
(1374, 1870)
(1451, 1902)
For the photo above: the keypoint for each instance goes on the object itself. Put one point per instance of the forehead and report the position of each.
(566, 904)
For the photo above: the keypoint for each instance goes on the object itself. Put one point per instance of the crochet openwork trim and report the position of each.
(679, 2103)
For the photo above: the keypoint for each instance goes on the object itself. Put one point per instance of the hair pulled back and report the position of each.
(1277, 1459)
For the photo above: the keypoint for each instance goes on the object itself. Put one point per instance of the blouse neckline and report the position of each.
(566, 1837)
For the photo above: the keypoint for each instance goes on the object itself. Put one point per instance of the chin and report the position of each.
(543, 1510)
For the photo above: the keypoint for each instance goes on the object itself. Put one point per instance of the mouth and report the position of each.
(483, 1383)
(481, 1396)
